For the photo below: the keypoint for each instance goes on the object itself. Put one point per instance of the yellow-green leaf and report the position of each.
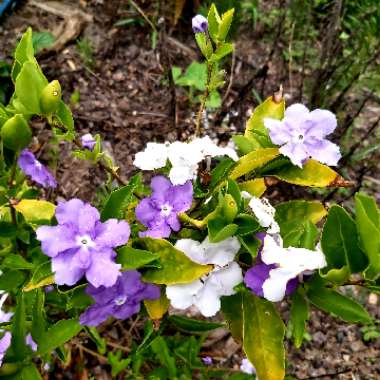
(255, 125)
(157, 308)
(35, 211)
(253, 160)
(36, 285)
(176, 267)
(312, 174)
(255, 187)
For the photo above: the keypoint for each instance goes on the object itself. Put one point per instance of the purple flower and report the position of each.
(159, 211)
(207, 360)
(121, 301)
(88, 141)
(259, 273)
(82, 245)
(35, 170)
(30, 342)
(302, 135)
(199, 24)
(5, 342)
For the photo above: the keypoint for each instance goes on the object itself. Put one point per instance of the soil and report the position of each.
(125, 95)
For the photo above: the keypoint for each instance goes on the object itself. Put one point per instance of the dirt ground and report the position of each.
(126, 97)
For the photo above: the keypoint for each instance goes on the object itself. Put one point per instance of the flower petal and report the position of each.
(95, 315)
(274, 288)
(181, 174)
(220, 253)
(103, 270)
(181, 197)
(297, 153)
(145, 212)
(112, 233)
(256, 276)
(278, 133)
(65, 268)
(320, 123)
(181, 296)
(153, 157)
(324, 151)
(56, 239)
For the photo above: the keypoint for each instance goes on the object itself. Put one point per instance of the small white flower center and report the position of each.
(38, 164)
(121, 300)
(166, 210)
(85, 241)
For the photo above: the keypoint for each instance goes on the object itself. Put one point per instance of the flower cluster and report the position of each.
(184, 158)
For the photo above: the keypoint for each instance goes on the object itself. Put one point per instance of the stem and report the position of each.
(203, 102)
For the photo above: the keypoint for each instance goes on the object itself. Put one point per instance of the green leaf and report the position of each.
(218, 230)
(340, 242)
(157, 308)
(193, 325)
(367, 222)
(58, 334)
(257, 322)
(132, 258)
(160, 348)
(255, 187)
(65, 117)
(11, 280)
(255, 128)
(338, 305)
(247, 224)
(19, 330)
(176, 267)
(251, 244)
(30, 372)
(253, 160)
(24, 51)
(35, 211)
(225, 24)
(222, 51)
(13, 261)
(42, 40)
(38, 321)
(118, 201)
(244, 144)
(299, 314)
(29, 85)
(204, 45)
(313, 174)
(214, 20)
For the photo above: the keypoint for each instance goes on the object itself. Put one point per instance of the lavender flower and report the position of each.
(82, 245)
(247, 367)
(199, 24)
(121, 301)
(159, 211)
(88, 141)
(4, 316)
(302, 135)
(31, 343)
(5, 342)
(207, 360)
(35, 170)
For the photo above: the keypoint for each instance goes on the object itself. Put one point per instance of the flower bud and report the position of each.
(16, 133)
(50, 97)
(199, 24)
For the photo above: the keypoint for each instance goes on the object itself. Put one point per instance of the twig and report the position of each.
(91, 352)
(231, 80)
(142, 13)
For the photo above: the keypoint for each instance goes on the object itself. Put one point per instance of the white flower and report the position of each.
(247, 367)
(153, 157)
(205, 293)
(184, 157)
(291, 262)
(220, 253)
(264, 213)
(4, 316)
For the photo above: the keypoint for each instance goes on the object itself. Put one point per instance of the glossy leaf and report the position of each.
(255, 128)
(255, 187)
(176, 267)
(19, 329)
(214, 20)
(35, 211)
(13, 261)
(58, 334)
(224, 27)
(193, 325)
(30, 372)
(118, 201)
(11, 280)
(132, 258)
(340, 242)
(222, 51)
(219, 229)
(299, 314)
(253, 160)
(313, 174)
(367, 222)
(38, 321)
(157, 308)
(338, 305)
(65, 117)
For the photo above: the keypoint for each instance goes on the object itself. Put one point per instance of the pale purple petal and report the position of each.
(174, 222)
(296, 152)
(5, 343)
(103, 270)
(55, 239)
(278, 134)
(145, 212)
(325, 152)
(112, 233)
(160, 186)
(34, 169)
(181, 197)
(30, 342)
(297, 111)
(66, 272)
(88, 141)
(320, 123)
(83, 258)
(68, 212)
(87, 219)
(162, 231)
(94, 315)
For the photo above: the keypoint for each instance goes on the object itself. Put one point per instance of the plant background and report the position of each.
(114, 69)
